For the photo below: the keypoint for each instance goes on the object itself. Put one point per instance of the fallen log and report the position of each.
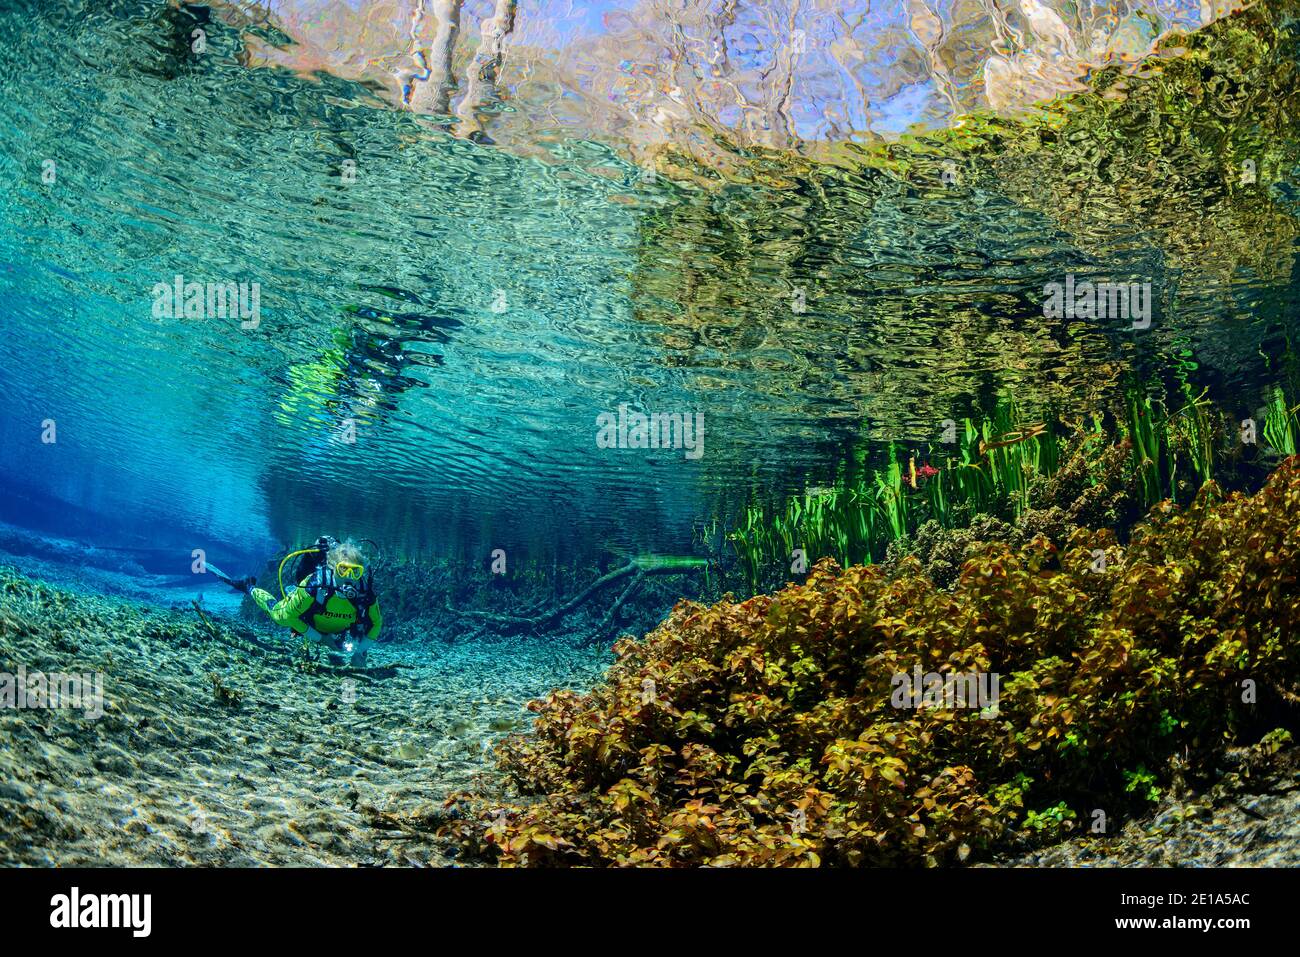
(637, 567)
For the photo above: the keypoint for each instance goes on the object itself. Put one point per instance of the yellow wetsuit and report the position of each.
(300, 610)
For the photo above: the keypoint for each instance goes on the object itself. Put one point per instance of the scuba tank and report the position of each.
(313, 558)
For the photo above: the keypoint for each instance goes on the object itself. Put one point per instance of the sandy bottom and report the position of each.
(292, 775)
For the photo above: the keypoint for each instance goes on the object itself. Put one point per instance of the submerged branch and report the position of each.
(637, 567)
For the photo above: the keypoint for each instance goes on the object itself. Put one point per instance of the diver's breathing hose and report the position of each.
(280, 573)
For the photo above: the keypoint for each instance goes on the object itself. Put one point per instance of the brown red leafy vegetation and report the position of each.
(762, 732)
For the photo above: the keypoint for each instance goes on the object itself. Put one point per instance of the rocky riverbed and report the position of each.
(1249, 818)
(218, 745)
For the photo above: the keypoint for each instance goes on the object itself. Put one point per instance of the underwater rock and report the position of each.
(409, 751)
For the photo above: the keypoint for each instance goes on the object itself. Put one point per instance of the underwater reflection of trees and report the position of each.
(904, 286)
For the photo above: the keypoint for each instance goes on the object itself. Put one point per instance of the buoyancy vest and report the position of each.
(334, 600)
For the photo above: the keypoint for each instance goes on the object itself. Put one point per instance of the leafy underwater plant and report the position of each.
(1053, 820)
(1142, 782)
(763, 733)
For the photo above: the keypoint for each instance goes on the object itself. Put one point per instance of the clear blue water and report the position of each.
(472, 308)
(856, 213)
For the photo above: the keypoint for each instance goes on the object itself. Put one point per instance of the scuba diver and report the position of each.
(333, 604)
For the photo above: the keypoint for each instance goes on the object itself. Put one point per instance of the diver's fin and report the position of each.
(242, 584)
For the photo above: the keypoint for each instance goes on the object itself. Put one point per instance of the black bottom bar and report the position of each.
(974, 907)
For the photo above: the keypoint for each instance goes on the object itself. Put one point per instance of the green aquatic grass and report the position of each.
(993, 465)
(890, 496)
(1148, 433)
(992, 468)
(1280, 423)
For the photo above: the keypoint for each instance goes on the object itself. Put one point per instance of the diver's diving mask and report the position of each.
(349, 570)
